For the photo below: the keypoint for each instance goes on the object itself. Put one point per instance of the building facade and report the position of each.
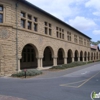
(32, 38)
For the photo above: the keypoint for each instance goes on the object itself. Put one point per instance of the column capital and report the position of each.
(54, 57)
(39, 57)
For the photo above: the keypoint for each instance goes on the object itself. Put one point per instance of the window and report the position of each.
(46, 31)
(22, 14)
(88, 43)
(60, 33)
(49, 31)
(45, 23)
(29, 17)
(1, 8)
(35, 27)
(28, 21)
(81, 40)
(23, 20)
(35, 19)
(85, 42)
(47, 28)
(22, 23)
(35, 23)
(62, 36)
(75, 38)
(1, 14)
(1, 18)
(68, 36)
(29, 25)
(57, 34)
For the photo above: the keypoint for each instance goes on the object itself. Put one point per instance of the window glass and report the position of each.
(1, 18)
(1, 8)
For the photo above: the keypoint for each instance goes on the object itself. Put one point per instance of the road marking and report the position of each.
(84, 73)
(72, 83)
(82, 82)
(88, 79)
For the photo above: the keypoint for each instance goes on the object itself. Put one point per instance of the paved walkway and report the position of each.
(3, 97)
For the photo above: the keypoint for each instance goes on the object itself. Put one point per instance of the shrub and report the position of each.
(29, 72)
(70, 65)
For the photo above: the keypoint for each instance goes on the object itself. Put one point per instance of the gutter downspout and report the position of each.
(16, 36)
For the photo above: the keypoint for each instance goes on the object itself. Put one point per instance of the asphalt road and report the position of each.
(71, 84)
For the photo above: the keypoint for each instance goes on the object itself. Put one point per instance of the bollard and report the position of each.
(25, 72)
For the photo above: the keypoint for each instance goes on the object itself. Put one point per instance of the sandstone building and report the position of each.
(32, 38)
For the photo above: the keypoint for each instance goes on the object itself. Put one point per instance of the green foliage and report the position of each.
(95, 43)
(70, 65)
(29, 72)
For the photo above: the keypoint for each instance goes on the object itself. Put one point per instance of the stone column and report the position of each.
(83, 59)
(78, 58)
(72, 59)
(54, 61)
(39, 60)
(65, 60)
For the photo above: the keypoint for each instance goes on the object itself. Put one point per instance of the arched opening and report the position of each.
(76, 55)
(60, 59)
(69, 59)
(29, 59)
(97, 55)
(94, 56)
(81, 56)
(88, 56)
(85, 55)
(91, 56)
(47, 57)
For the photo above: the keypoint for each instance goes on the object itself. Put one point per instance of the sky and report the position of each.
(83, 15)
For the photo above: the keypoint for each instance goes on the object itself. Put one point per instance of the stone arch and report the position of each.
(48, 55)
(52, 48)
(81, 55)
(29, 57)
(76, 55)
(61, 55)
(69, 55)
(22, 45)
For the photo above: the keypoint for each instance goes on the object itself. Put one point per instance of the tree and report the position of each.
(95, 43)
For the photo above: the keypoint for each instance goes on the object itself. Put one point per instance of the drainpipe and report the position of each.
(16, 36)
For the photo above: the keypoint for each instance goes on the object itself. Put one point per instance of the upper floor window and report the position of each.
(85, 42)
(48, 28)
(1, 14)
(28, 21)
(81, 40)
(29, 17)
(68, 36)
(22, 23)
(75, 38)
(29, 25)
(88, 43)
(1, 8)
(23, 14)
(1, 18)
(35, 21)
(60, 33)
